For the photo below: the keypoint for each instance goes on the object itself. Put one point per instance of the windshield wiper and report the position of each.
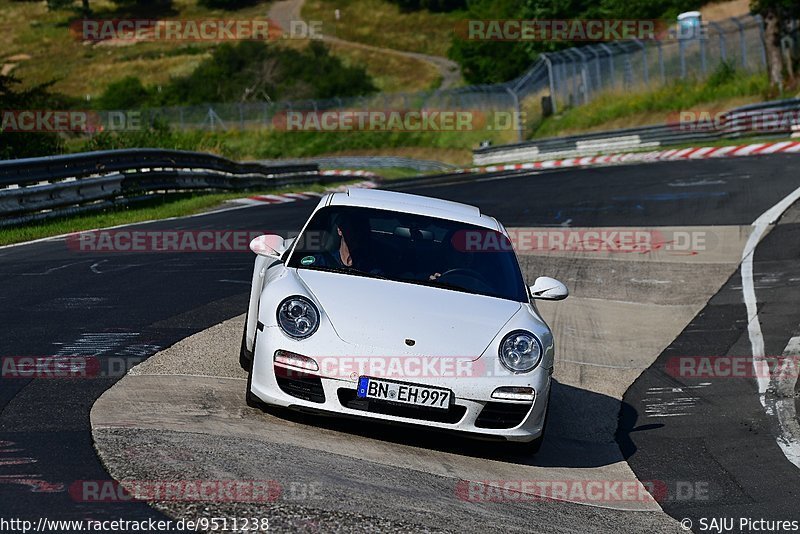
(428, 283)
(347, 270)
(444, 285)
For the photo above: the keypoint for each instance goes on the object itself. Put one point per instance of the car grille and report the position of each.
(502, 415)
(301, 385)
(348, 399)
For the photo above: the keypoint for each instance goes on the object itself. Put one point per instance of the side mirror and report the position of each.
(546, 288)
(270, 245)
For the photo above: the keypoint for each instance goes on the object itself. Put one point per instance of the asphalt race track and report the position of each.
(122, 308)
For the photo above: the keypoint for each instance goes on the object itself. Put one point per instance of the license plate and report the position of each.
(373, 388)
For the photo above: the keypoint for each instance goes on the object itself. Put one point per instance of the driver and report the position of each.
(351, 251)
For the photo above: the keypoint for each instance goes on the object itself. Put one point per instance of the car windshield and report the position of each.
(410, 248)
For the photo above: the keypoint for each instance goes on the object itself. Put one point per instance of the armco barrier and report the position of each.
(776, 118)
(39, 188)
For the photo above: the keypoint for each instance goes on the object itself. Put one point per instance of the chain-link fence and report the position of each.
(569, 77)
(576, 75)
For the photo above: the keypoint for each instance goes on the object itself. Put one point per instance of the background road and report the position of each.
(54, 300)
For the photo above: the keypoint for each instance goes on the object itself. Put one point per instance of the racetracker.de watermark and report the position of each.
(715, 121)
(75, 121)
(192, 30)
(390, 367)
(565, 30)
(239, 491)
(163, 240)
(74, 366)
(397, 120)
(733, 366)
(594, 240)
(581, 490)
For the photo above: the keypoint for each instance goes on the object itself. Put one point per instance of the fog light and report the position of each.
(514, 393)
(295, 360)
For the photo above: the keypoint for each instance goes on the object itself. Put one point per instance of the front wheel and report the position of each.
(249, 397)
(245, 356)
(532, 447)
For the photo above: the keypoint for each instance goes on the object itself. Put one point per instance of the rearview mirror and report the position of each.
(270, 245)
(546, 288)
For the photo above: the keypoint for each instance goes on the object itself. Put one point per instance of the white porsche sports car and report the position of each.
(400, 308)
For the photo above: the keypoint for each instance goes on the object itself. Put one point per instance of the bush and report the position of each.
(499, 61)
(435, 6)
(127, 93)
(26, 145)
(724, 73)
(227, 4)
(255, 71)
(491, 61)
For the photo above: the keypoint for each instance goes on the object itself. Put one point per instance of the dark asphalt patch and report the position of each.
(724, 443)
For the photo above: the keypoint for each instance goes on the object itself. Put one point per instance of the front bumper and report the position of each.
(474, 411)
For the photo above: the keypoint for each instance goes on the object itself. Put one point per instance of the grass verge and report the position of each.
(270, 144)
(382, 23)
(724, 90)
(391, 73)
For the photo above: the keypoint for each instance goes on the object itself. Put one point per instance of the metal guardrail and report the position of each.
(766, 119)
(40, 188)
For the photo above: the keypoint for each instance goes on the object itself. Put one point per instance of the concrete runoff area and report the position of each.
(187, 403)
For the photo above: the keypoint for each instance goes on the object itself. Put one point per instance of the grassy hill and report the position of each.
(37, 47)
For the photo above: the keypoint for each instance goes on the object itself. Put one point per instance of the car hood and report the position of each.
(383, 313)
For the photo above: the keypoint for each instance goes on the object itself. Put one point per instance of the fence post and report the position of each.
(549, 64)
(760, 22)
(611, 69)
(518, 111)
(627, 71)
(701, 42)
(558, 78)
(645, 70)
(661, 63)
(723, 52)
(742, 41)
(584, 75)
(574, 79)
(681, 52)
(596, 60)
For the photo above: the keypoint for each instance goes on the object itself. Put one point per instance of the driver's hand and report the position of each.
(434, 276)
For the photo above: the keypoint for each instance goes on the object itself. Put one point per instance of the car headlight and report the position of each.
(520, 351)
(298, 317)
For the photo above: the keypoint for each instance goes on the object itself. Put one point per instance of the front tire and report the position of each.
(532, 447)
(249, 398)
(245, 356)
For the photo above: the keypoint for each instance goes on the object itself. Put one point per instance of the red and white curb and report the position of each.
(693, 153)
(283, 198)
(363, 174)
(708, 152)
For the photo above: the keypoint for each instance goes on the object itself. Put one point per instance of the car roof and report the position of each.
(416, 204)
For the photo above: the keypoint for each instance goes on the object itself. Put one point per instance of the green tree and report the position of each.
(127, 93)
(487, 61)
(256, 71)
(15, 144)
(54, 5)
(777, 14)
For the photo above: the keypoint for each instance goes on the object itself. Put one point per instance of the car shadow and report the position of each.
(628, 417)
(580, 432)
